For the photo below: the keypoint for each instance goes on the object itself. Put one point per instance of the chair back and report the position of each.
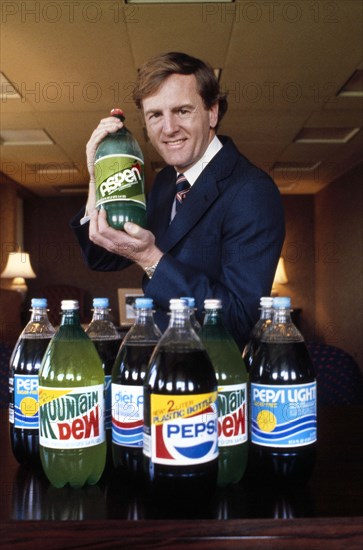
(339, 379)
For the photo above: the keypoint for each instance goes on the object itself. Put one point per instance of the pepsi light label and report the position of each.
(283, 416)
(26, 414)
(184, 429)
(127, 415)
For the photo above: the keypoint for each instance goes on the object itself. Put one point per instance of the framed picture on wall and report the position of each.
(126, 304)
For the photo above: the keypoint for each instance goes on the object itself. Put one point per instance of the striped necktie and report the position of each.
(182, 188)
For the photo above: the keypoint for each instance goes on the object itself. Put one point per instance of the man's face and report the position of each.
(177, 122)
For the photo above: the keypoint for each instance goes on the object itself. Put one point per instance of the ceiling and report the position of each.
(283, 64)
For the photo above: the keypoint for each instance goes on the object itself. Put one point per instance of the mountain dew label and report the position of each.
(119, 177)
(232, 415)
(71, 418)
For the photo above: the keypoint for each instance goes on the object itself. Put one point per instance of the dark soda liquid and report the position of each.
(107, 350)
(279, 364)
(183, 372)
(26, 360)
(130, 369)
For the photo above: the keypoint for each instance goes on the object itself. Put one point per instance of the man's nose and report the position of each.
(170, 123)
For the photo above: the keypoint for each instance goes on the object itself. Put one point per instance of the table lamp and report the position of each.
(18, 268)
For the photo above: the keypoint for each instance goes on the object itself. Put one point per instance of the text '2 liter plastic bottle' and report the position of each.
(232, 394)
(119, 174)
(128, 376)
(23, 383)
(180, 413)
(71, 405)
(283, 402)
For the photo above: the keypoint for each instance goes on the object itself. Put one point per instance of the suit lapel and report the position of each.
(202, 194)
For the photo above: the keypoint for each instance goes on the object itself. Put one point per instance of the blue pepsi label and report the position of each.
(127, 415)
(283, 416)
(184, 429)
(26, 406)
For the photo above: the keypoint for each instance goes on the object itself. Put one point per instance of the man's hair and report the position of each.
(155, 71)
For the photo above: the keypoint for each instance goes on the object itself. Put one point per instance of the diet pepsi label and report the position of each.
(127, 415)
(283, 416)
(184, 429)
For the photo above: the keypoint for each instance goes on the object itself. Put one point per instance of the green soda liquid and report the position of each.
(119, 173)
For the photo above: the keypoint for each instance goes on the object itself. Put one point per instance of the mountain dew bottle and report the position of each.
(71, 405)
(119, 173)
(232, 394)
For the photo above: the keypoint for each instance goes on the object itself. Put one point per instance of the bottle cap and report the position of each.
(189, 300)
(177, 304)
(212, 304)
(69, 304)
(101, 302)
(117, 112)
(141, 303)
(282, 301)
(266, 301)
(39, 302)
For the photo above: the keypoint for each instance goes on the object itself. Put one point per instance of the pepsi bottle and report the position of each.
(180, 413)
(264, 321)
(25, 363)
(283, 402)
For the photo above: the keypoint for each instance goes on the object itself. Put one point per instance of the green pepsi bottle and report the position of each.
(119, 175)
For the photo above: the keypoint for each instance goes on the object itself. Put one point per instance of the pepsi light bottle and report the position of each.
(25, 362)
(266, 303)
(180, 413)
(283, 402)
(128, 376)
(119, 174)
(107, 340)
(71, 405)
(232, 395)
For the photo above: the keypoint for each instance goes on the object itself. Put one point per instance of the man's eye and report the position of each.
(183, 112)
(154, 116)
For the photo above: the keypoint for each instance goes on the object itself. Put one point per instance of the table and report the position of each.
(326, 513)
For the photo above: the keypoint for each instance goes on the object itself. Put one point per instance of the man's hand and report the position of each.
(135, 243)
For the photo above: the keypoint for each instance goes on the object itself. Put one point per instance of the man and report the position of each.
(225, 240)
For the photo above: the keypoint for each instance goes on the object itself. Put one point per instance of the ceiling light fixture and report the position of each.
(326, 135)
(354, 86)
(25, 137)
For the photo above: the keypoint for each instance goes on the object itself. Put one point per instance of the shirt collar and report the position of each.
(193, 173)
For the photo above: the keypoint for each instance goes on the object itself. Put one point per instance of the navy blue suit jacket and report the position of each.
(224, 242)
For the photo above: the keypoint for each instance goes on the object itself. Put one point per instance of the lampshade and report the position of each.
(18, 268)
(18, 265)
(280, 275)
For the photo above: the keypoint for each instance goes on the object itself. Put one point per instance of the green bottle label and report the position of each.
(119, 178)
(71, 418)
(232, 415)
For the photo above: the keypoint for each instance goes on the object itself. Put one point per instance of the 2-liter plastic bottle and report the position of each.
(107, 340)
(25, 362)
(232, 394)
(283, 402)
(180, 413)
(128, 376)
(71, 405)
(119, 174)
(266, 315)
(193, 319)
